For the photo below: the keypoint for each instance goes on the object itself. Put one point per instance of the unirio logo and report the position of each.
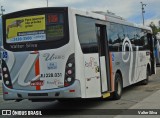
(52, 65)
(50, 57)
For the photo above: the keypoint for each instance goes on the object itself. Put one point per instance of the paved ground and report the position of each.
(150, 106)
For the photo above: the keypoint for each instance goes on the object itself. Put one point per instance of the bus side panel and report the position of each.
(142, 62)
(92, 75)
(103, 74)
(123, 67)
(157, 53)
(79, 72)
(132, 66)
(157, 46)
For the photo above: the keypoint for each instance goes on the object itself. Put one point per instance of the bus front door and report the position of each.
(152, 54)
(103, 58)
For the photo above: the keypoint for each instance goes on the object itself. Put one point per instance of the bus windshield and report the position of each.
(34, 31)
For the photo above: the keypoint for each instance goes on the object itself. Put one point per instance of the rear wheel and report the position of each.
(145, 82)
(118, 87)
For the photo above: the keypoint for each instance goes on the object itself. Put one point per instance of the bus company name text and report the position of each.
(37, 83)
(20, 46)
(55, 82)
(50, 57)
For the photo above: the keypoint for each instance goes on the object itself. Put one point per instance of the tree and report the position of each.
(154, 28)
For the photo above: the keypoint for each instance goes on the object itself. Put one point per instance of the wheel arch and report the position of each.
(149, 67)
(119, 72)
(116, 95)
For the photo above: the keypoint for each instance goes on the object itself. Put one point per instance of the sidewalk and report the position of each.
(151, 102)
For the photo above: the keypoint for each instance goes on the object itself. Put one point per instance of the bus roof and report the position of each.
(107, 16)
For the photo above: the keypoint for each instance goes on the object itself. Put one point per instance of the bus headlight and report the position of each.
(70, 71)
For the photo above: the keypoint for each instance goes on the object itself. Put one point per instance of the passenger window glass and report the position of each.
(87, 34)
(113, 37)
(116, 36)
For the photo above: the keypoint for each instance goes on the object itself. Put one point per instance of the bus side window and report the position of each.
(114, 40)
(87, 34)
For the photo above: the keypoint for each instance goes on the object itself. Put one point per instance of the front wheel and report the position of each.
(118, 87)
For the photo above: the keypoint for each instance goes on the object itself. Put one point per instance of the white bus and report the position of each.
(157, 48)
(56, 53)
(0, 46)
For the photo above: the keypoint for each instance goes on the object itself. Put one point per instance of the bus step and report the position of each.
(105, 95)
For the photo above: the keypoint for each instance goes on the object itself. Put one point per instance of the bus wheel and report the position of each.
(145, 82)
(118, 87)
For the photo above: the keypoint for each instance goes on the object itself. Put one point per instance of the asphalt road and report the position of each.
(131, 96)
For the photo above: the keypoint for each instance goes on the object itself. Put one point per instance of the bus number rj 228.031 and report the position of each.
(51, 75)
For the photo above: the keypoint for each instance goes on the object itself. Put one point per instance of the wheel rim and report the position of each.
(119, 90)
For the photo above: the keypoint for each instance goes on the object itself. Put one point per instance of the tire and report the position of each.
(118, 87)
(145, 82)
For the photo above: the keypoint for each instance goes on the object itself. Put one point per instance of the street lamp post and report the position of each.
(143, 11)
(2, 10)
(47, 3)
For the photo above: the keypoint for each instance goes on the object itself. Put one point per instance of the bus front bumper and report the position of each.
(72, 91)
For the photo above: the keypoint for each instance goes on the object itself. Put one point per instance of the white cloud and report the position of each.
(129, 9)
(18, 5)
(156, 21)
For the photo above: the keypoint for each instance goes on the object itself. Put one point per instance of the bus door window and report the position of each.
(151, 46)
(103, 49)
(101, 39)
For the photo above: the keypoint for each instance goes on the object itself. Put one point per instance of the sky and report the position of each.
(128, 9)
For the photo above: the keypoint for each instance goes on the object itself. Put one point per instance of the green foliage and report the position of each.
(154, 28)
